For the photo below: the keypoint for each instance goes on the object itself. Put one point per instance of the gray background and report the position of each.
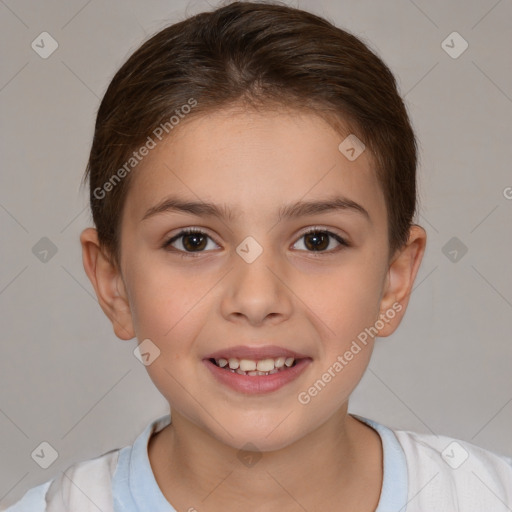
(66, 379)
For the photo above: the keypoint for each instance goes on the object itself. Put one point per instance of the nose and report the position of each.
(257, 292)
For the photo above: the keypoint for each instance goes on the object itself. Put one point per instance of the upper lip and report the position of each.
(255, 352)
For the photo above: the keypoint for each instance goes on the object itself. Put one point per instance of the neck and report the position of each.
(341, 459)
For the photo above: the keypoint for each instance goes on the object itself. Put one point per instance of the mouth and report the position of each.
(256, 370)
(253, 367)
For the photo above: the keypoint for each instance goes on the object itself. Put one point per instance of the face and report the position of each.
(251, 277)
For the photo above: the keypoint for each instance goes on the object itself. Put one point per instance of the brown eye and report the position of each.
(318, 240)
(190, 240)
(194, 241)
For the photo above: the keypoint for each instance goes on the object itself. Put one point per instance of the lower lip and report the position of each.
(255, 384)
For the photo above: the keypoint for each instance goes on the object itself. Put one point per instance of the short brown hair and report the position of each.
(260, 54)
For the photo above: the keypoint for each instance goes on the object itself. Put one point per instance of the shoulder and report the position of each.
(84, 486)
(32, 501)
(455, 475)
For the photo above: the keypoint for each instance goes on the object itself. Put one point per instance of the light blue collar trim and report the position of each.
(393, 497)
(135, 489)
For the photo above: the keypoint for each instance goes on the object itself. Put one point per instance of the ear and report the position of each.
(108, 284)
(399, 280)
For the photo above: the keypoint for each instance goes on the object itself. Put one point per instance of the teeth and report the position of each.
(253, 367)
(289, 361)
(279, 362)
(247, 365)
(265, 365)
(234, 363)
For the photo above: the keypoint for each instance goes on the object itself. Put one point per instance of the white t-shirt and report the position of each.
(422, 473)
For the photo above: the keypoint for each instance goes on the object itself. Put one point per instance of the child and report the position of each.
(252, 183)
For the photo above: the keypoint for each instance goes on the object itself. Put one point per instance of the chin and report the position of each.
(265, 436)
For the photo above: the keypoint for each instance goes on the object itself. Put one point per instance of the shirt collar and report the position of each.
(134, 487)
(136, 490)
(393, 495)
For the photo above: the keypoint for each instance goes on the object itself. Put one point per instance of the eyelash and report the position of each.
(189, 231)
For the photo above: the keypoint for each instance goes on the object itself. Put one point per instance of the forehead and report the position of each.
(253, 162)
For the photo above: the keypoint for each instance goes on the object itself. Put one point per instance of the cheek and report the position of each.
(346, 298)
(167, 309)
(160, 301)
(170, 307)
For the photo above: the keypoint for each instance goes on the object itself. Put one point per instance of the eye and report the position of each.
(191, 240)
(318, 240)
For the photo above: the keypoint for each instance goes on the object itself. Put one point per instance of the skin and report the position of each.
(310, 301)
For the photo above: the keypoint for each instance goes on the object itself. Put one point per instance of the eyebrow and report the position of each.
(289, 211)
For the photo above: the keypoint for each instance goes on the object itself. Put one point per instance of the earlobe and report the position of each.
(400, 279)
(107, 282)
